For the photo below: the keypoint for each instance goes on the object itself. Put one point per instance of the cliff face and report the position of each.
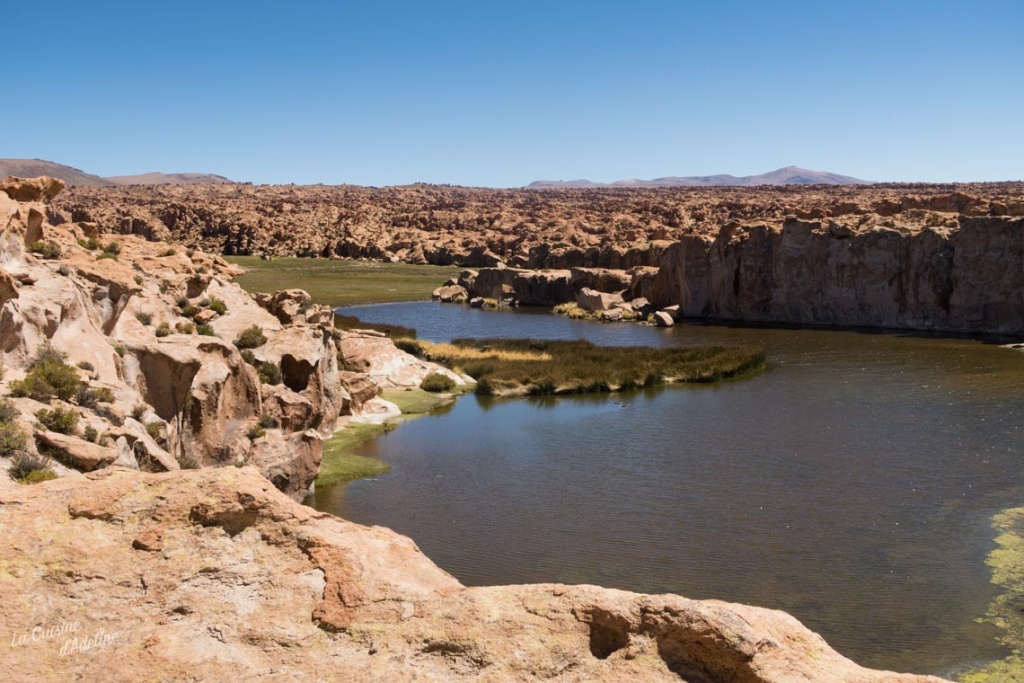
(964, 278)
(214, 575)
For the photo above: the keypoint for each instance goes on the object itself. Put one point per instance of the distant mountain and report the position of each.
(170, 179)
(30, 168)
(790, 175)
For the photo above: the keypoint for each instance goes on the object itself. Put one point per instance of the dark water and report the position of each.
(851, 484)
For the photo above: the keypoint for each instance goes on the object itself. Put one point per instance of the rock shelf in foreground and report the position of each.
(215, 575)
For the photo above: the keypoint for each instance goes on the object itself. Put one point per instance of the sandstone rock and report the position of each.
(541, 288)
(214, 575)
(86, 456)
(8, 288)
(41, 189)
(360, 386)
(292, 411)
(389, 366)
(450, 294)
(288, 305)
(204, 317)
(290, 461)
(601, 279)
(592, 300)
(663, 319)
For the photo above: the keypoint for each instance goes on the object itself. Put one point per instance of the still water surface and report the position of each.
(851, 484)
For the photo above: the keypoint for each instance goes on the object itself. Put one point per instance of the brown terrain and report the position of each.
(929, 257)
(171, 546)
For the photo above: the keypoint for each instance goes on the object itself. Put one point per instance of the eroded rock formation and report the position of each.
(215, 575)
(149, 328)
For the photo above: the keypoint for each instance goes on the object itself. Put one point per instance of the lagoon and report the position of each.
(851, 484)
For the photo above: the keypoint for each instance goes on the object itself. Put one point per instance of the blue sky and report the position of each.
(503, 93)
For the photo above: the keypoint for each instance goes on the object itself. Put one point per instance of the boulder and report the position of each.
(663, 319)
(593, 300)
(84, 455)
(450, 294)
(390, 367)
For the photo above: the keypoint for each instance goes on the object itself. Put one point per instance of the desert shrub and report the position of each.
(12, 439)
(205, 329)
(437, 383)
(139, 411)
(90, 434)
(187, 461)
(163, 329)
(119, 350)
(91, 244)
(36, 476)
(250, 338)
(87, 366)
(218, 306)
(112, 249)
(59, 420)
(138, 279)
(47, 250)
(27, 466)
(87, 397)
(7, 411)
(185, 328)
(181, 302)
(144, 317)
(64, 270)
(269, 373)
(168, 252)
(155, 430)
(48, 376)
(256, 431)
(249, 357)
(267, 421)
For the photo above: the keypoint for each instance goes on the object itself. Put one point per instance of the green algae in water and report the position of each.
(340, 465)
(1006, 611)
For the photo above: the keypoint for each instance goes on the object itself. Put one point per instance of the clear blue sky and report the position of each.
(502, 93)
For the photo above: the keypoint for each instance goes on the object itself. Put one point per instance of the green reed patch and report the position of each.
(505, 367)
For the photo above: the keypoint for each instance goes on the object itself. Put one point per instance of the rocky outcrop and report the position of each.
(614, 228)
(966, 278)
(215, 575)
(158, 395)
(373, 354)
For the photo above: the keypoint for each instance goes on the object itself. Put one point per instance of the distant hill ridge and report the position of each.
(789, 175)
(31, 168)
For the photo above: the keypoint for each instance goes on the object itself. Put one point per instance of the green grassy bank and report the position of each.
(342, 282)
(341, 464)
